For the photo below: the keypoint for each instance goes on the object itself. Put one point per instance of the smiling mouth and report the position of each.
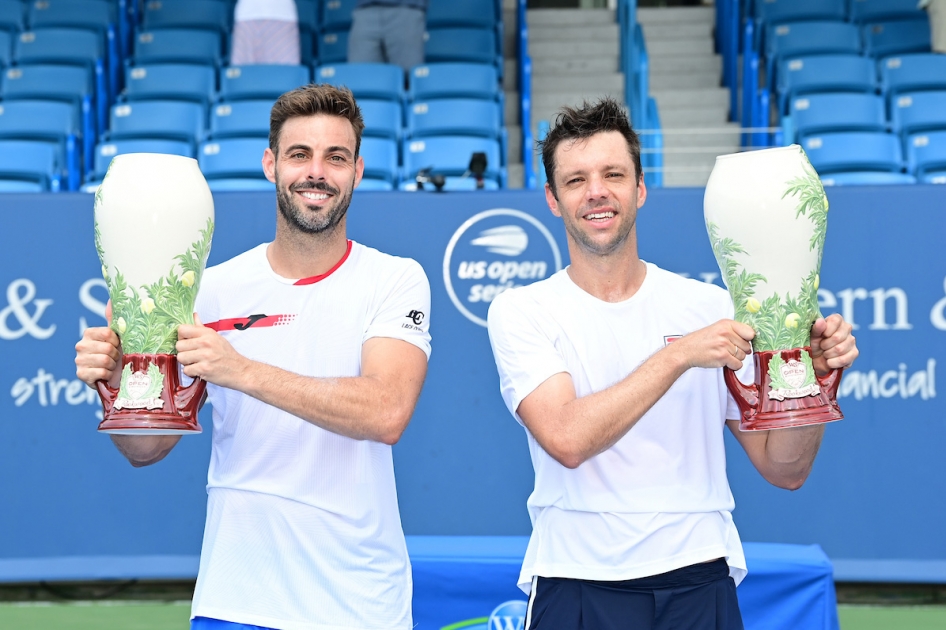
(599, 216)
(314, 195)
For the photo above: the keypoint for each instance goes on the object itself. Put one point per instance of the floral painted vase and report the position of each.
(766, 215)
(154, 218)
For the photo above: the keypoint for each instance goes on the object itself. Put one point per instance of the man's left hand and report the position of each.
(832, 344)
(204, 353)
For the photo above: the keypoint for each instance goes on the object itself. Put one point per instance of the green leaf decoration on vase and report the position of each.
(146, 318)
(780, 321)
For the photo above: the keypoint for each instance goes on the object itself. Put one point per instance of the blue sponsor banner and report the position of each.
(74, 508)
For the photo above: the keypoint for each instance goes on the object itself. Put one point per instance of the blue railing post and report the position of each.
(750, 73)
(525, 98)
(761, 118)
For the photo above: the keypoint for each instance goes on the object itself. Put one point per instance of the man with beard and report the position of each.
(315, 352)
(613, 367)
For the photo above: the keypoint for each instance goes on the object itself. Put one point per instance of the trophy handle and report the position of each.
(107, 394)
(191, 398)
(829, 384)
(747, 396)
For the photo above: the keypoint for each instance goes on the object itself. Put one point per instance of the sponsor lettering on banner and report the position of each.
(494, 251)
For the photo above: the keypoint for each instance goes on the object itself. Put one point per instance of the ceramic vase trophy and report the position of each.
(766, 214)
(154, 218)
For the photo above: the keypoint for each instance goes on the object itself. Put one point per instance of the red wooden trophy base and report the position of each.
(760, 412)
(172, 410)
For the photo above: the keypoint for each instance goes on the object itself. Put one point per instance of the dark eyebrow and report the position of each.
(297, 147)
(340, 149)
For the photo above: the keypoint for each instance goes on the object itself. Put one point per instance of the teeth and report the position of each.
(315, 196)
(600, 215)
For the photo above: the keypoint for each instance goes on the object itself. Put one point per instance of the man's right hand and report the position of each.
(99, 357)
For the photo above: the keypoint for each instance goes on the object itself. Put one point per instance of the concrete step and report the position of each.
(542, 66)
(514, 143)
(511, 111)
(596, 32)
(717, 97)
(568, 17)
(664, 31)
(662, 82)
(510, 74)
(675, 178)
(609, 83)
(701, 64)
(701, 137)
(515, 176)
(675, 15)
(572, 49)
(680, 47)
(691, 117)
(547, 105)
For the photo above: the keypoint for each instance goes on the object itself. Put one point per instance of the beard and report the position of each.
(313, 221)
(589, 244)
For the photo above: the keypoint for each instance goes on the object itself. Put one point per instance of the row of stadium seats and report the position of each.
(857, 11)
(878, 157)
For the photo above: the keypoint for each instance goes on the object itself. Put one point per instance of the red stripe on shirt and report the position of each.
(314, 279)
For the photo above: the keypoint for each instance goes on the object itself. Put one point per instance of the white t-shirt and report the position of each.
(280, 10)
(659, 498)
(303, 530)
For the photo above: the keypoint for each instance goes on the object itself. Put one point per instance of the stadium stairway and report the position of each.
(575, 56)
(685, 81)
(514, 170)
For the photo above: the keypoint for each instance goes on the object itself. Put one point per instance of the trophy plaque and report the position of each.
(154, 219)
(766, 215)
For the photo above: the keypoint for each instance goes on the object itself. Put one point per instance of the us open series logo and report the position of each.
(494, 251)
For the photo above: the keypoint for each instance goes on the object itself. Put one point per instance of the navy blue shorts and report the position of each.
(698, 597)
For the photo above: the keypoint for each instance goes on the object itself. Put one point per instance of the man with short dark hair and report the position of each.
(612, 366)
(302, 530)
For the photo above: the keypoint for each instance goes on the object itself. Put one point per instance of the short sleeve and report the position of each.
(403, 310)
(524, 350)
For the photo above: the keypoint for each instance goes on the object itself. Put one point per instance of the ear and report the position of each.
(551, 200)
(269, 165)
(359, 170)
(641, 192)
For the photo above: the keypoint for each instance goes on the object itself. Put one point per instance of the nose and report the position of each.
(597, 188)
(316, 170)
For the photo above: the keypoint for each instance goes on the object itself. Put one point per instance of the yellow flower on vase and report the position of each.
(105, 272)
(752, 305)
(792, 320)
(121, 325)
(817, 281)
(187, 278)
(147, 306)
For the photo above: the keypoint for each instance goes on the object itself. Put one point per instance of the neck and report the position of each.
(612, 277)
(295, 254)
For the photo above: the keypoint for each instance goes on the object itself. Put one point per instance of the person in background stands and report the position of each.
(265, 32)
(303, 529)
(388, 31)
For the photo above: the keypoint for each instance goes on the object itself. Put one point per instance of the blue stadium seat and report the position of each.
(864, 11)
(832, 112)
(372, 185)
(455, 117)
(54, 122)
(854, 151)
(469, 13)
(799, 39)
(896, 38)
(6, 49)
(172, 120)
(171, 81)
(913, 73)
(178, 46)
(105, 151)
(333, 46)
(233, 158)
(12, 14)
(63, 46)
(70, 84)
(97, 16)
(204, 15)
(918, 111)
(825, 73)
(336, 15)
(365, 80)
(380, 157)
(450, 156)
(382, 118)
(241, 83)
(476, 45)
(308, 11)
(926, 155)
(240, 119)
(455, 80)
(30, 161)
(867, 178)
